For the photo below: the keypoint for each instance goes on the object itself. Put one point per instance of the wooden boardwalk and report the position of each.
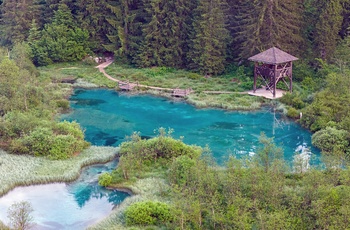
(181, 92)
(130, 86)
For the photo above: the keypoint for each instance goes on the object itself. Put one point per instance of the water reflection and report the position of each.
(73, 205)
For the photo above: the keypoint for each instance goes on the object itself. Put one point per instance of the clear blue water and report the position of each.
(108, 117)
(72, 206)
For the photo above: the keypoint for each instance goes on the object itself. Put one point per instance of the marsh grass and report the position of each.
(226, 101)
(23, 170)
(235, 81)
(78, 70)
(152, 188)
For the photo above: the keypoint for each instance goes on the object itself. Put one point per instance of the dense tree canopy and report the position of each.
(205, 36)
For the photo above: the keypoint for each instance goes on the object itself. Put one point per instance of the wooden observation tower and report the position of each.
(273, 65)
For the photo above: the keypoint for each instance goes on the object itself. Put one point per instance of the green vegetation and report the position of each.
(17, 170)
(27, 124)
(171, 38)
(258, 193)
(147, 213)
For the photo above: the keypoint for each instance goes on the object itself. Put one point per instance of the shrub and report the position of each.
(105, 179)
(331, 141)
(39, 141)
(180, 170)
(71, 128)
(159, 147)
(293, 113)
(63, 104)
(148, 213)
(63, 147)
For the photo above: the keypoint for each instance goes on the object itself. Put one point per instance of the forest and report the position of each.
(207, 37)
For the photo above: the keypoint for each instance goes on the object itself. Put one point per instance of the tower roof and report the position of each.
(273, 56)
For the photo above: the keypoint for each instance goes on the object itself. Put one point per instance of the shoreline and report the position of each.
(36, 175)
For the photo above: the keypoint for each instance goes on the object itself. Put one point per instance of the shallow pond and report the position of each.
(108, 117)
(67, 205)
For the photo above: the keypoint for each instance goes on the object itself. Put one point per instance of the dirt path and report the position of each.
(102, 67)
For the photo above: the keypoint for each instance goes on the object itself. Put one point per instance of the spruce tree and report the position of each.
(166, 34)
(327, 28)
(262, 24)
(92, 17)
(126, 20)
(16, 20)
(210, 40)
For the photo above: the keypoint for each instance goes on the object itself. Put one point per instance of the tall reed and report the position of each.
(23, 170)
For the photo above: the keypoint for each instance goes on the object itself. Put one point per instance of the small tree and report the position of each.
(268, 153)
(19, 215)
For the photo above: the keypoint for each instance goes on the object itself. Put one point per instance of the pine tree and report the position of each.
(210, 41)
(16, 20)
(166, 35)
(327, 28)
(262, 24)
(92, 17)
(126, 20)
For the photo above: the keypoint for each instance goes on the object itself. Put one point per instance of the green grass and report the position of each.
(19, 170)
(235, 82)
(77, 70)
(152, 188)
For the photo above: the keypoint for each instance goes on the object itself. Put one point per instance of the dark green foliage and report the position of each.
(161, 147)
(331, 105)
(60, 41)
(332, 141)
(209, 42)
(92, 17)
(148, 213)
(166, 34)
(181, 169)
(262, 24)
(328, 27)
(43, 141)
(139, 156)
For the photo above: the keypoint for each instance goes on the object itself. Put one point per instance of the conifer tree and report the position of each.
(210, 40)
(327, 28)
(92, 17)
(166, 35)
(126, 20)
(262, 24)
(16, 20)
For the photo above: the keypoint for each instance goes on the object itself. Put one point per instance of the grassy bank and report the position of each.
(234, 82)
(19, 170)
(150, 188)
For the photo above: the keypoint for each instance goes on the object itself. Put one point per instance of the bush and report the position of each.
(180, 170)
(293, 113)
(71, 128)
(148, 213)
(63, 147)
(331, 141)
(162, 146)
(63, 104)
(105, 179)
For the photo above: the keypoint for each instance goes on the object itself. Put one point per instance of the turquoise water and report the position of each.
(108, 117)
(72, 206)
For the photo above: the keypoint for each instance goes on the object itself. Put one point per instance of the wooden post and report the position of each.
(291, 78)
(255, 66)
(274, 80)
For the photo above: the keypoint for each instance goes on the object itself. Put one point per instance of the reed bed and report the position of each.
(226, 101)
(24, 170)
(144, 189)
